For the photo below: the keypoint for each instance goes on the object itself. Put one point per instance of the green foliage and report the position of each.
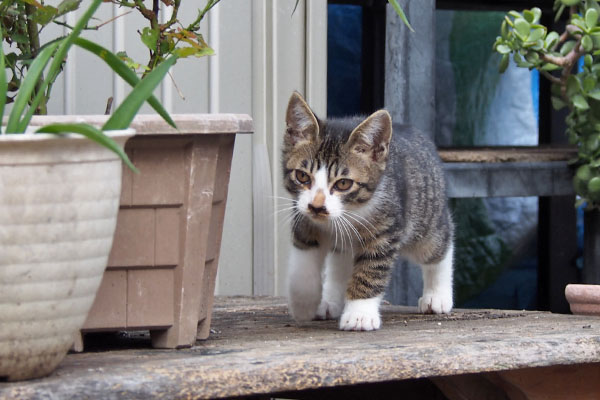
(173, 37)
(124, 114)
(123, 70)
(92, 133)
(400, 13)
(556, 57)
(22, 21)
(34, 87)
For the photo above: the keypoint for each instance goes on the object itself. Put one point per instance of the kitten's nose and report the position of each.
(318, 204)
(317, 210)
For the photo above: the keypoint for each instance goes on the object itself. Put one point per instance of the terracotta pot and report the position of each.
(162, 268)
(59, 199)
(584, 299)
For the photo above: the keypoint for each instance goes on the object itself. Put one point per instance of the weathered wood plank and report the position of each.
(500, 154)
(255, 348)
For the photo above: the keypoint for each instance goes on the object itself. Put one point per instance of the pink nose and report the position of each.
(317, 210)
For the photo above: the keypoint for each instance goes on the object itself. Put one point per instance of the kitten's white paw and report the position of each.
(361, 315)
(303, 311)
(436, 303)
(329, 310)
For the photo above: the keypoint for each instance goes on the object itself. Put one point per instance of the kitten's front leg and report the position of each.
(437, 286)
(365, 291)
(337, 274)
(304, 282)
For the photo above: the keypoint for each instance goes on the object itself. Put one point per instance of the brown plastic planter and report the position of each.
(583, 299)
(163, 264)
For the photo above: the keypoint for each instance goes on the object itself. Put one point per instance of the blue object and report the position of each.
(344, 54)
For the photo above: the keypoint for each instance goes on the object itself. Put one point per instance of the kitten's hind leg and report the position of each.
(337, 274)
(304, 282)
(437, 285)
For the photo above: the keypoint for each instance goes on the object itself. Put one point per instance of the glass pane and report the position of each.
(496, 238)
(344, 41)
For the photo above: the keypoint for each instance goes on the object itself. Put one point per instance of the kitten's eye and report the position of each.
(343, 184)
(302, 177)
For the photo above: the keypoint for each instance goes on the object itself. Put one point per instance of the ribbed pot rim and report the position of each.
(36, 149)
(32, 136)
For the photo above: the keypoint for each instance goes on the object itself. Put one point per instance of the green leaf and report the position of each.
(549, 67)
(503, 49)
(580, 102)
(587, 43)
(184, 52)
(529, 16)
(19, 38)
(592, 143)
(559, 12)
(536, 34)
(591, 18)
(504, 30)
(504, 63)
(44, 15)
(594, 185)
(579, 23)
(588, 60)
(92, 133)
(589, 82)
(149, 38)
(557, 103)
(515, 14)
(27, 87)
(3, 83)
(584, 173)
(400, 13)
(594, 94)
(124, 114)
(532, 57)
(124, 72)
(567, 47)
(66, 6)
(537, 14)
(522, 28)
(56, 64)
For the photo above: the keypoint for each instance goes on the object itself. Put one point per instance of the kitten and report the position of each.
(364, 192)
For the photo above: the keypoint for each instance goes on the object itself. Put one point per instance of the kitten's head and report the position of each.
(333, 166)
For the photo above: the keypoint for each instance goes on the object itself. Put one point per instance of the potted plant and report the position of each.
(59, 197)
(162, 267)
(570, 60)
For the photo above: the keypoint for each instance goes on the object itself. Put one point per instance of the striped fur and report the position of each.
(395, 206)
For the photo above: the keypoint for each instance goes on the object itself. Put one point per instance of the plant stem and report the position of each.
(34, 47)
(194, 26)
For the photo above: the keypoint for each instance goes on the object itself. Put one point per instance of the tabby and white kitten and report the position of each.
(364, 193)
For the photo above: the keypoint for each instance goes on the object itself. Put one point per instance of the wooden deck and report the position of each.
(255, 349)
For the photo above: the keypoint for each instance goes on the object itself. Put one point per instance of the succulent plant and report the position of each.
(571, 61)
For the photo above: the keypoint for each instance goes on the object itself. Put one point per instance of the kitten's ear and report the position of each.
(372, 137)
(300, 120)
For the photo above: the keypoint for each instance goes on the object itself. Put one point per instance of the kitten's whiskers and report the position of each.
(355, 217)
(344, 224)
(353, 229)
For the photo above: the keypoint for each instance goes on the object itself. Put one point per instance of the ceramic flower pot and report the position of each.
(583, 299)
(59, 198)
